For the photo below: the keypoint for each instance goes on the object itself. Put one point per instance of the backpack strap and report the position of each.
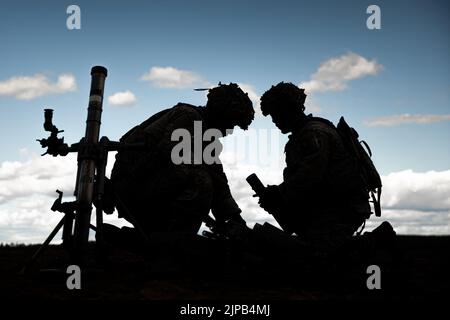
(376, 201)
(367, 147)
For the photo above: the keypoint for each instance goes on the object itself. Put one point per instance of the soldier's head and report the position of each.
(228, 106)
(285, 104)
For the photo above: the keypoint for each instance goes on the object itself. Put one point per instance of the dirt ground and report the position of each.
(420, 273)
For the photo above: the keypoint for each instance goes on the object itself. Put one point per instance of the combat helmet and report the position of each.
(232, 104)
(285, 95)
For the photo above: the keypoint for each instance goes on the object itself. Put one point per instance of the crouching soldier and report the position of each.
(160, 191)
(322, 196)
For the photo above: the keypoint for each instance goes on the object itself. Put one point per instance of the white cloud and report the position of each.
(414, 202)
(29, 87)
(335, 73)
(169, 77)
(312, 106)
(27, 191)
(172, 78)
(421, 191)
(37, 175)
(122, 99)
(30, 220)
(406, 118)
(414, 222)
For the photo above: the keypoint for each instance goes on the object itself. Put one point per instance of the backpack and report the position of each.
(360, 151)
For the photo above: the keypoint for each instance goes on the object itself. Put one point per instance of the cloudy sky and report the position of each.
(392, 84)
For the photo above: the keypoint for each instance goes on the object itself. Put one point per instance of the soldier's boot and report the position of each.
(124, 237)
(382, 237)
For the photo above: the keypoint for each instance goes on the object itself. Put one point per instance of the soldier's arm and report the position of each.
(308, 161)
(224, 206)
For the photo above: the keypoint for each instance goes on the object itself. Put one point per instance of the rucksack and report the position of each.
(360, 150)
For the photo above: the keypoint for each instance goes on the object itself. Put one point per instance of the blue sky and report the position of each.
(255, 42)
(258, 43)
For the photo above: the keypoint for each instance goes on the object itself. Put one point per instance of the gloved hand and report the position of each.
(227, 209)
(224, 228)
(238, 219)
(270, 199)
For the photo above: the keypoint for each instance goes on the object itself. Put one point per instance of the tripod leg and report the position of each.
(43, 246)
(67, 232)
(99, 224)
(100, 184)
(99, 241)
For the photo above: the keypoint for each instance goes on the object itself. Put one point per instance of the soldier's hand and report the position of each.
(239, 220)
(270, 199)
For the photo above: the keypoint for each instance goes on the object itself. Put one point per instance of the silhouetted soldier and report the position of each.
(163, 196)
(322, 196)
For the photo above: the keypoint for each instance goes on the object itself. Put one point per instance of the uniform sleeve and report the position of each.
(307, 160)
(223, 207)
